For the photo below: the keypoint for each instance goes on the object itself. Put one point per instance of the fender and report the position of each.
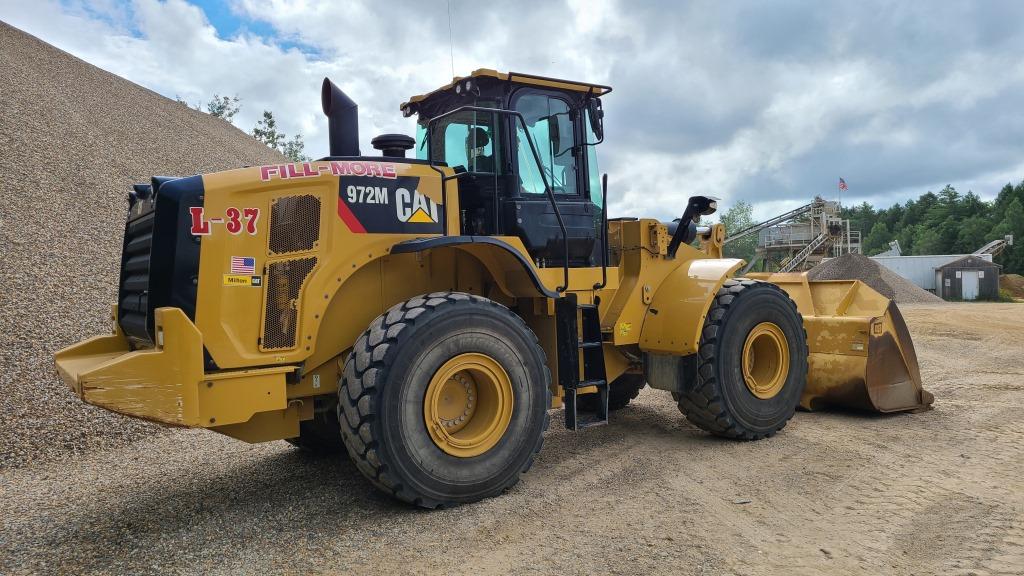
(674, 320)
(507, 257)
(392, 267)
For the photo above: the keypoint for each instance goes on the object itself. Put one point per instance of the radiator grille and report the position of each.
(133, 293)
(284, 281)
(294, 224)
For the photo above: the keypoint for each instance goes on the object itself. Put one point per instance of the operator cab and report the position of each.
(502, 188)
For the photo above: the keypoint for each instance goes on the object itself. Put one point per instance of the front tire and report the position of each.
(444, 399)
(751, 364)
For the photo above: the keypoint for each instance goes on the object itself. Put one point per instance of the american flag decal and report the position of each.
(243, 265)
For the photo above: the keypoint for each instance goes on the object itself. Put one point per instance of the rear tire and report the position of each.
(395, 367)
(621, 391)
(732, 394)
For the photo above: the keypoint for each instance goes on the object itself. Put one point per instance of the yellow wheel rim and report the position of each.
(468, 405)
(765, 360)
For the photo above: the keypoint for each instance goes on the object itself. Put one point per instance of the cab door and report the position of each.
(555, 126)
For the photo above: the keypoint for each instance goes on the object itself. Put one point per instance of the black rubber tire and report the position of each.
(717, 399)
(382, 390)
(623, 389)
(322, 434)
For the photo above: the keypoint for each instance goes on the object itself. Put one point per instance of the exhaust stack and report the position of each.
(343, 118)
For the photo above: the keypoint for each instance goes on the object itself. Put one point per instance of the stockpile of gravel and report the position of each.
(73, 138)
(1014, 284)
(884, 281)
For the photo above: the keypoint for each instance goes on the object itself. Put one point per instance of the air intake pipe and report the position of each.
(343, 120)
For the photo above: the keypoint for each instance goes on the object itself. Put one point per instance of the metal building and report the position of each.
(927, 271)
(921, 269)
(969, 278)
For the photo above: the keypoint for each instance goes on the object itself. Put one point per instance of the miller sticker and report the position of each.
(242, 280)
(387, 205)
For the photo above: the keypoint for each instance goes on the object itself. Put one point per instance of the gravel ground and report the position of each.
(73, 138)
(884, 281)
(941, 492)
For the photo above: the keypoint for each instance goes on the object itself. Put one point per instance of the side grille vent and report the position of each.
(294, 224)
(284, 282)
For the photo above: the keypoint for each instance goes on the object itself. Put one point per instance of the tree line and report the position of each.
(946, 222)
(226, 107)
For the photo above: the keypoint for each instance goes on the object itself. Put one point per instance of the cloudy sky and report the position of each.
(769, 102)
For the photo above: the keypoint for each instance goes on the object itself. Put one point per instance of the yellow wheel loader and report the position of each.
(427, 307)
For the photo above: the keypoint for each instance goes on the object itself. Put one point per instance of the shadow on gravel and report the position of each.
(264, 502)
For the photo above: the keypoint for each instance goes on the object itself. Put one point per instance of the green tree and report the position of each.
(878, 239)
(294, 149)
(223, 107)
(738, 217)
(1012, 259)
(971, 234)
(266, 131)
(927, 241)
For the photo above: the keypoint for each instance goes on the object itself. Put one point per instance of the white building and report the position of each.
(921, 270)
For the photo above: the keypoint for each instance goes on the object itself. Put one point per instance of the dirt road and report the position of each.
(838, 493)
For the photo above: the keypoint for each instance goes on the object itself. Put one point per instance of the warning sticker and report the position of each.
(383, 205)
(242, 280)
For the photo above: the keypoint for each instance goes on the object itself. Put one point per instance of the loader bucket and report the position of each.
(860, 354)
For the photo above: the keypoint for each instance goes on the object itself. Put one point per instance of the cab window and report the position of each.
(551, 127)
(467, 140)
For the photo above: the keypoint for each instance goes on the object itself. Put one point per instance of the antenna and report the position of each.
(451, 44)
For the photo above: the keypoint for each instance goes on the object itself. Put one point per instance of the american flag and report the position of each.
(243, 265)
(842, 184)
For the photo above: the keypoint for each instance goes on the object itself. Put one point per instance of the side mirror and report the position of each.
(595, 115)
(685, 233)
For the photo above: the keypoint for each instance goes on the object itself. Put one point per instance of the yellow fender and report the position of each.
(675, 316)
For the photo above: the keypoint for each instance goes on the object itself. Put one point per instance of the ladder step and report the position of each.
(589, 421)
(587, 306)
(598, 383)
(587, 345)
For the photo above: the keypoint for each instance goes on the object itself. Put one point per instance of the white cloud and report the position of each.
(767, 103)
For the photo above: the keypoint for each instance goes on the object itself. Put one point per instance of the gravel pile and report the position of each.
(884, 281)
(73, 138)
(1012, 283)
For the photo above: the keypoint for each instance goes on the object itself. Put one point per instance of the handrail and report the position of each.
(604, 233)
(540, 169)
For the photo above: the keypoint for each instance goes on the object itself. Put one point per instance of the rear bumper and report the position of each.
(167, 383)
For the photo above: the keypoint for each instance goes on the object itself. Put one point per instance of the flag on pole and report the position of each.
(842, 184)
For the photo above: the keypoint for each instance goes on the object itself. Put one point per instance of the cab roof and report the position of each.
(517, 78)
